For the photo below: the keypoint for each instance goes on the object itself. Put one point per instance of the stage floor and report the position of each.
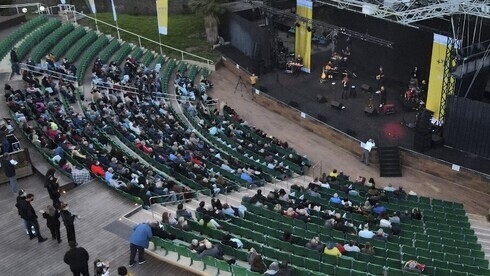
(385, 129)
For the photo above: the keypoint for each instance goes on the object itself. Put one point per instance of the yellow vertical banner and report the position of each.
(302, 45)
(162, 15)
(439, 46)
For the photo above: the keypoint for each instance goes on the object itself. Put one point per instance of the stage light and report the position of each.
(308, 29)
(42, 8)
(298, 25)
(24, 10)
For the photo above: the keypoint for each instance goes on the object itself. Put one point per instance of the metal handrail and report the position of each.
(207, 61)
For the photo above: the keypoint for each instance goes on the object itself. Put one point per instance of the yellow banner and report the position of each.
(302, 46)
(439, 46)
(162, 15)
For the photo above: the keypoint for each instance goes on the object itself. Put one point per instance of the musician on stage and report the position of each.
(328, 72)
(298, 65)
(346, 55)
(383, 96)
(414, 77)
(345, 86)
(380, 77)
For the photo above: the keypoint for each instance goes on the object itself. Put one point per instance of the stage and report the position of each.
(303, 90)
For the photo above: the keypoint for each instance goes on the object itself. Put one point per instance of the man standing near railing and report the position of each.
(15, 61)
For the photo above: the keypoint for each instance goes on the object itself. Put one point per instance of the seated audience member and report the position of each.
(158, 231)
(182, 212)
(332, 250)
(290, 213)
(97, 169)
(255, 261)
(395, 219)
(379, 209)
(416, 214)
(381, 235)
(197, 246)
(389, 188)
(351, 247)
(182, 224)
(284, 269)
(211, 251)
(273, 269)
(366, 233)
(283, 196)
(314, 244)
(209, 222)
(368, 249)
(258, 198)
(400, 193)
(333, 174)
(335, 199)
(370, 183)
(201, 209)
(232, 242)
(287, 237)
(167, 218)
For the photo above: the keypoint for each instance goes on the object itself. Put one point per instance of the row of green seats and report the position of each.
(72, 38)
(14, 37)
(89, 55)
(147, 58)
(108, 51)
(122, 54)
(82, 44)
(41, 49)
(33, 39)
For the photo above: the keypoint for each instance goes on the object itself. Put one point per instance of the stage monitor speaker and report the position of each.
(320, 98)
(322, 118)
(437, 141)
(423, 122)
(370, 111)
(294, 104)
(337, 105)
(422, 141)
(350, 132)
(366, 88)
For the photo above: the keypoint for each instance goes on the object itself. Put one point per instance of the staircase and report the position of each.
(482, 231)
(389, 162)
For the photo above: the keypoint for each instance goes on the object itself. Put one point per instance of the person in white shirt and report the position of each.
(385, 223)
(351, 247)
(395, 218)
(389, 188)
(366, 233)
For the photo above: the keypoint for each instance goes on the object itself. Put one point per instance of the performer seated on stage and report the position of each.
(295, 67)
(346, 54)
(410, 95)
(328, 72)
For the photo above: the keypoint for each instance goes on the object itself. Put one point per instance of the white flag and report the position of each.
(114, 11)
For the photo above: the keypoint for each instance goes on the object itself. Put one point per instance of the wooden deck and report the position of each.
(98, 207)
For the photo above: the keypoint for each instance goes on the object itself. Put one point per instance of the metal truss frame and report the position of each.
(448, 81)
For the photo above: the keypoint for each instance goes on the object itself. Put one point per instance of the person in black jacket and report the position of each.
(15, 61)
(51, 184)
(29, 215)
(21, 197)
(52, 217)
(77, 258)
(9, 170)
(68, 220)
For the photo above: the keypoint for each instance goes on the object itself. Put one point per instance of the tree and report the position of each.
(209, 9)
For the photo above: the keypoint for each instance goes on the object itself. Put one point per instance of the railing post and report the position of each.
(17, 8)
(182, 54)
(139, 40)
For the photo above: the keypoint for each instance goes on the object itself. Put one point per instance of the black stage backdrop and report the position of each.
(412, 47)
(245, 35)
(467, 126)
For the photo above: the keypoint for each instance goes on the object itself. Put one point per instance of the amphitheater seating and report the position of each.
(13, 38)
(33, 38)
(68, 41)
(77, 49)
(443, 240)
(41, 49)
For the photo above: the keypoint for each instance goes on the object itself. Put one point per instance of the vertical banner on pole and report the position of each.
(92, 6)
(439, 46)
(302, 44)
(114, 11)
(162, 15)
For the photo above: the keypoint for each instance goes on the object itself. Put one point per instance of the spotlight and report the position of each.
(42, 8)
(24, 10)
(308, 29)
(337, 105)
(298, 25)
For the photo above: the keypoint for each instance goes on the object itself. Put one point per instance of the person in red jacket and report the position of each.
(97, 169)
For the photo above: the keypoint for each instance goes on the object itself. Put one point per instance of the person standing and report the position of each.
(68, 220)
(77, 258)
(139, 240)
(15, 61)
(366, 150)
(52, 217)
(29, 215)
(21, 197)
(9, 169)
(51, 184)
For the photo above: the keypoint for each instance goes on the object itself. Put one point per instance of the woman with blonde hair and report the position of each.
(52, 217)
(167, 218)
